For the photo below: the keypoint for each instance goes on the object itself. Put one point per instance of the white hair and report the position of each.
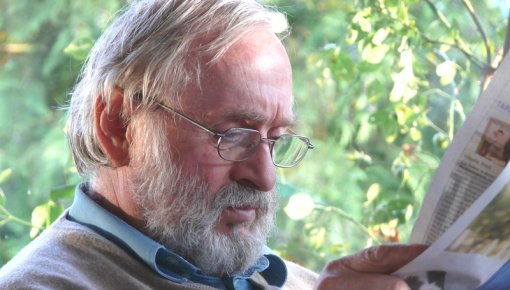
(153, 51)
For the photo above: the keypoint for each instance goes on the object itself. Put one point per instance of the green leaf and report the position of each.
(375, 54)
(5, 174)
(361, 158)
(446, 72)
(40, 217)
(373, 192)
(2, 197)
(415, 134)
(79, 48)
(380, 36)
(362, 19)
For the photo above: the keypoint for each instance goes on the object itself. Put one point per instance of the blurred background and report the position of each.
(381, 87)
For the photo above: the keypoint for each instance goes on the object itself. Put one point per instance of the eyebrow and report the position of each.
(250, 115)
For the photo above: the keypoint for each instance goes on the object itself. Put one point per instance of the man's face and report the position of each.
(215, 212)
(249, 88)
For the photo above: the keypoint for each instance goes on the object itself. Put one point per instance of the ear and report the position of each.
(111, 129)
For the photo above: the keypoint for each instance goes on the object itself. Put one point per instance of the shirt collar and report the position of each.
(163, 261)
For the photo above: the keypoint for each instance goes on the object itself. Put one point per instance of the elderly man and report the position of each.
(181, 114)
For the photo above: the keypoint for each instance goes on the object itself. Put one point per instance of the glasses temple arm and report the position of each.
(165, 107)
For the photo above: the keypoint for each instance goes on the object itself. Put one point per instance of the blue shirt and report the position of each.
(163, 261)
(498, 281)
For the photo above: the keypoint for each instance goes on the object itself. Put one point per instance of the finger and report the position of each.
(378, 259)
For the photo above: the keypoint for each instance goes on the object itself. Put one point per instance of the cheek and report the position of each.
(216, 178)
(206, 164)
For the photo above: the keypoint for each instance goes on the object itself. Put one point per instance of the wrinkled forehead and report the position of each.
(254, 76)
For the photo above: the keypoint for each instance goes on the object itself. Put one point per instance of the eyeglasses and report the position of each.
(238, 144)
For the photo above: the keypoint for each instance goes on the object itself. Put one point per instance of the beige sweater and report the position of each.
(71, 256)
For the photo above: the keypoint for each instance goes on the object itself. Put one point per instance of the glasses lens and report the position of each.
(237, 144)
(288, 150)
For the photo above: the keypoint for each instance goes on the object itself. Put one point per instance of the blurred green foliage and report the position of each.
(380, 86)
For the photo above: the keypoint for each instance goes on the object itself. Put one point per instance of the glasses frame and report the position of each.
(270, 140)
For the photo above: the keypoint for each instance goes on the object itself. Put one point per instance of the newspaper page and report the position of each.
(473, 252)
(477, 155)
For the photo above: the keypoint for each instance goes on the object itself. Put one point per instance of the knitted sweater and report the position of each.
(71, 256)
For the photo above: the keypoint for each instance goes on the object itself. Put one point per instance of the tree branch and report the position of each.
(459, 44)
(506, 46)
(480, 64)
(471, 10)
(439, 15)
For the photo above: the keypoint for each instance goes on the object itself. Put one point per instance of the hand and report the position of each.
(369, 269)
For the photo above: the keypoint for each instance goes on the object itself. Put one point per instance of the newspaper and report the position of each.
(472, 162)
(466, 213)
(475, 247)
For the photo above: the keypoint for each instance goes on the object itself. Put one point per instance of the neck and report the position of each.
(111, 189)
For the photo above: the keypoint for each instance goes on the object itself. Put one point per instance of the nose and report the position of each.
(258, 171)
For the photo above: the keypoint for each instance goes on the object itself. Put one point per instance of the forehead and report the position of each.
(253, 81)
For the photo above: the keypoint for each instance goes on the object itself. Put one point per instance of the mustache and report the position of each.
(238, 195)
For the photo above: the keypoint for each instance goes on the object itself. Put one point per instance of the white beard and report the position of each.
(183, 220)
(180, 216)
